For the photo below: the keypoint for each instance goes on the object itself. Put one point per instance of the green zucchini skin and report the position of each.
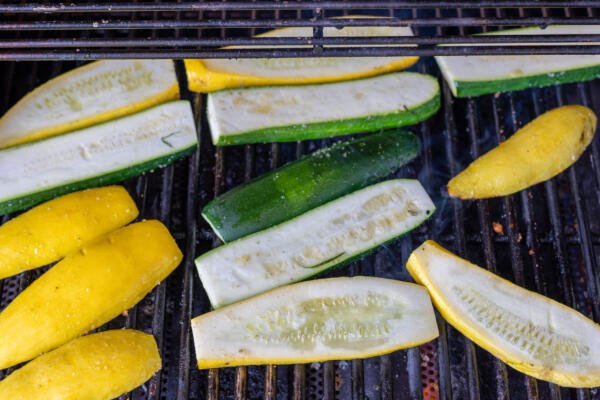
(326, 237)
(30, 200)
(328, 129)
(478, 88)
(309, 182)
(101, 154)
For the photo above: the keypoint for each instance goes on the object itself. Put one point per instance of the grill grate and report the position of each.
(546, 238)
(175, 29)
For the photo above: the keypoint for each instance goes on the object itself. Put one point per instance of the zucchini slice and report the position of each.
(94, 93)
(328, 236)
(101, 366)
(291, 113)
(106, 153)
(86, 289)
(211, 75)
(477, 75)
(531, 333)
(302, 185)
(327, 319)
(50, 231)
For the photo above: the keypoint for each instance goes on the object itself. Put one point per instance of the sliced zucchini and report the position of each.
(50, 231)
(531, 333)
(94, 93)
(106, 153)
(302, 185)
(327, 319)
(477, 75)
(86, 289)
(211, 75)
(328, 236)
(101, 366)
(291, 113)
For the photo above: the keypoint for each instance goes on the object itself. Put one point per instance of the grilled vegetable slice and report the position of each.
(302, 185)
(218, 74)
(101, 366)
(94, 93)
(538, 151)
(51, 230)
(328, 236)
(290, 113)
(532, 333)
(86, 289)
(106, 153)
(328, 319)
(477, 75)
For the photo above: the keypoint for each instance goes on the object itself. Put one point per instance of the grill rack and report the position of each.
(550, 244)
(176, 29)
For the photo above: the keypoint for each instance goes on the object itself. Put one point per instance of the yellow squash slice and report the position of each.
(97, 92)
(48, 232)
(86, 289)
(101, 366)
(218, 74)
(531, 333)
(327, 319)
(537, 152)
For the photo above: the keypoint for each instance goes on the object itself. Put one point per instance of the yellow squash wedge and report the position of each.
(48, 232)
(531, 333)
(86, 289)
(537, 152)
(101, 366)
(218, 74)
(97, 92)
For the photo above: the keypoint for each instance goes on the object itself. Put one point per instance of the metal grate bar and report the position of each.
(43, 8)
(197, 22)
(283, 23)
(297, 41)
(327, 52)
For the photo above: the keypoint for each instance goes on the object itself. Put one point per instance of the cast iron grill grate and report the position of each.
(546, 238)
(179, 29)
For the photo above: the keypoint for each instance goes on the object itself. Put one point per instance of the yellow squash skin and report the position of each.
(204, 80)
(8, 138)
(537, 152)
(101, 366)
(86, 289)
(49, 231)
(418, 270)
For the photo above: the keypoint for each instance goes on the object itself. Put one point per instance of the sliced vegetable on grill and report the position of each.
(217, 74)
(537, 152)
(86, 289)
(290, 113)
(50, 231)
(302, 185)
(477, 75)
(101, 366)
(532, 333)
(94, 93)
(328, 236)
(102, 154)
(327, 319)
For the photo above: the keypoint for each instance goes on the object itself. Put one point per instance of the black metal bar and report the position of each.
(104, 24)
(87, 54)
(296, 41)
(280, 5)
